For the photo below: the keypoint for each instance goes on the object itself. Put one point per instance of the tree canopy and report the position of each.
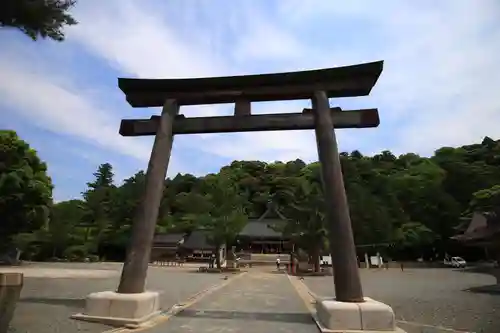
(37, 18)
(25, 188)
(412, 204)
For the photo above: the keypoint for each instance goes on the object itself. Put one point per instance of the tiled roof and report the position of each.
(481, 227)
(266, 228)
(478, 234)
(198, 240)
(173, 238)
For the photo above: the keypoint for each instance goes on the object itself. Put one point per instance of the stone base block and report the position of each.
(111, 308)
(369, 316)
(11, 284)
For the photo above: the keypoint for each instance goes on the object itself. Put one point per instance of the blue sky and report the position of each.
(439, 87)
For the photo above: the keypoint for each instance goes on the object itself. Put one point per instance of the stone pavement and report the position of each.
(255, 302)
(53, 292)
(429, 300)
(425, 300)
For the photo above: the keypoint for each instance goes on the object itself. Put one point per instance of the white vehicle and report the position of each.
(325, 260)
(455, 262)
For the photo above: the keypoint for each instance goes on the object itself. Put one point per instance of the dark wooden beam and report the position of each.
(348, 81)
(348, 87)
(266, 122)
(337, 219)
(242, 108)
(135, 267)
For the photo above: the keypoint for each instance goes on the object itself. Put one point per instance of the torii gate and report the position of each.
(316, 85)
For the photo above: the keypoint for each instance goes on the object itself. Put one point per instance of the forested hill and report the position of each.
(413, 202)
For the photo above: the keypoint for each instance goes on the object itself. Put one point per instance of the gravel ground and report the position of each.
(255, 302)
(47, 302)
(426, 298)
(421, 298)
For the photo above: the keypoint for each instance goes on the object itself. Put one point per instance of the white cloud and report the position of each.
(59, 108)
(439, 85)
(138, 41)
(438, 88)
(155, 50)
(266, 42)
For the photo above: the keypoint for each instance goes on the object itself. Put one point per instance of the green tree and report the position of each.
(306, 225)
(120, 212)
(56, 236)
(98, 206)
(25, 188)
(37, 18)
(222, 213)
(414, 235)
(486, 200)
(410, 201)
(64, 217)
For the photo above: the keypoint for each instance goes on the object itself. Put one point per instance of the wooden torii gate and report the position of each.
(316, 85)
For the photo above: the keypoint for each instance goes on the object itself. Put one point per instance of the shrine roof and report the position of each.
(482, 227)
(169, 238)
(198, 240)
(268, 225)
(265, 228)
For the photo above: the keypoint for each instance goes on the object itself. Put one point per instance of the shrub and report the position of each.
(76, 253)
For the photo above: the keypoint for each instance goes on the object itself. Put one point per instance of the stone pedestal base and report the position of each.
(496, 274)
(11, 285)
(371, 316)
(111, 308)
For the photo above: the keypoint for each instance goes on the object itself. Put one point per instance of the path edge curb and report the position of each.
(165, 315)
(309, 298)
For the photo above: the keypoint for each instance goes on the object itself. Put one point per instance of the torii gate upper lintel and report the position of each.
(348, 81)
(316, 85)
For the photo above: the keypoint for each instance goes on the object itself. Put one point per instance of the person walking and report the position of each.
(214, 261)
(278, 263)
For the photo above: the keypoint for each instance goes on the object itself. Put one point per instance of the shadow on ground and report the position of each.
(493, 289)
(482, 269)
(68, 302)
(276, 272)
(262, 316)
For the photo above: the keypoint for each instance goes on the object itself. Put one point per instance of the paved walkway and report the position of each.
(60, 273)
(256, 302)
(53, 292)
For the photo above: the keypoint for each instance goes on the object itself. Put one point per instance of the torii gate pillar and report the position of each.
(131, 304)
(349, 311)
(341, 240)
